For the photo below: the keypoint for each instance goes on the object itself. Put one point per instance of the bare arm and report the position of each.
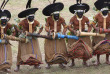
(93, 24)
(47, 26)
(89, 27)
(71, 28)
(40, 28)
(65, 28)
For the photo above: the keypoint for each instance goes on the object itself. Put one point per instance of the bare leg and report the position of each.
(98, 60)
(72, 64)
(7, 70)
(17, 68)
(61, 66)
(48, 66)
(107, 59)
(37, 67)
(85, 63)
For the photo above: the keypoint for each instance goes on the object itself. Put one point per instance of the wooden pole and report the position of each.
(13, 38)
(89, 34)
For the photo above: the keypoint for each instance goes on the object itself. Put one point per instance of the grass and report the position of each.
(16, 6)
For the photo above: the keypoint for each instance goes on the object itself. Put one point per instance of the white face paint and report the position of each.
(4, 21)
(79, 11)
(79, 14)
(103, 9)
(31, 15)
(57, 12)
(56, 15)
(3, 17)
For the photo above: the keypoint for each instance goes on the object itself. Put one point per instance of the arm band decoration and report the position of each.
(95, 21)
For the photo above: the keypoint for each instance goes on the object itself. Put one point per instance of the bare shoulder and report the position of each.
(97, 15)
(49, 18)
(86, 18)
(22, 22)
(36, 21)
(73, 18)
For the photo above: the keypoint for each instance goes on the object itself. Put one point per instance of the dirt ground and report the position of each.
(16, 6)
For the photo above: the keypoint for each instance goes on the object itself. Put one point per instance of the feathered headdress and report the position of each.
(28, 4)
(78, 1)
(28, 10)
(4, 12)
(52, 8)
(79, 6)
(4, 4)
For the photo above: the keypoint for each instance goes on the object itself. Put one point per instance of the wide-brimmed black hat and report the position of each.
(52, 8)
(27, 12)
(5, 13)
(109, 5)
(99, 4)
(82, 6)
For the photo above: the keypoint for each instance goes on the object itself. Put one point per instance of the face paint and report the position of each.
(56, 16)
(30, 18)
(105, 12)
(3, 22)
(80, 14)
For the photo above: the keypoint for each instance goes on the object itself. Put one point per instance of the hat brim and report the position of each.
(82, 6)
(27, 12)
(5, 13)
(109, 6)
(52, 8)
(101, 4)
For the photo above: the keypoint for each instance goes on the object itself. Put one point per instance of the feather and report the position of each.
(28, 4)
(2, 4)
(5, 4)
(54, 1)
(78, 1)
(49, 1)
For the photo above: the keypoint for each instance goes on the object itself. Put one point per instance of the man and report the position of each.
(5, 48)
(29, 51)
(101, 20)
(55, 50)
(82, 47)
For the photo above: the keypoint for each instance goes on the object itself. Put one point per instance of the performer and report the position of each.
(29, 52)
(55, 50)
(101, 20)
(5, 48)
(82, 47)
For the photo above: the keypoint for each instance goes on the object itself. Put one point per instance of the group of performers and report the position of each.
(79, 44)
